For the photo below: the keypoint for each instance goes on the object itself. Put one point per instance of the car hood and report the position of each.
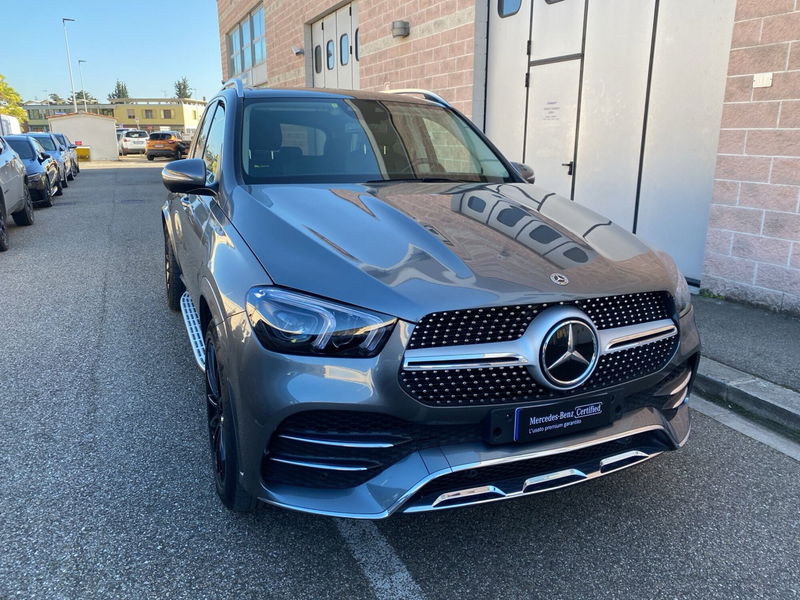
(410, 248)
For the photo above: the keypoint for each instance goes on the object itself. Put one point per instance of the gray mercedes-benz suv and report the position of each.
(390, 318)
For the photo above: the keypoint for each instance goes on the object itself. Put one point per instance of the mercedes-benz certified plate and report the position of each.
(532, 423)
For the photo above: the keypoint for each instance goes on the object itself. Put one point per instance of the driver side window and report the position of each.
(212, 155)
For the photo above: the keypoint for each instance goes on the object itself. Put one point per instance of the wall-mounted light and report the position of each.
(298, 51)
(401, 28)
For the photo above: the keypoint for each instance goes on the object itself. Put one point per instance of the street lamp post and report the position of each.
(83, 87)
(69, 64)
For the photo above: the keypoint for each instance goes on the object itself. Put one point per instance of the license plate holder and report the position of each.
(544, 420)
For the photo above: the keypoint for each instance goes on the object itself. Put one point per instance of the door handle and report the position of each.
(570, 166)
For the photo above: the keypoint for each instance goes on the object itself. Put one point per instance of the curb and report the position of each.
(722, 384)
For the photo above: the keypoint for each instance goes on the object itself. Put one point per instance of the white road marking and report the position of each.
(748, 428)
(386, 573)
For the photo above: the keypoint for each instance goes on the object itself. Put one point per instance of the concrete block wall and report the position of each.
(438, 54)
(753, 243)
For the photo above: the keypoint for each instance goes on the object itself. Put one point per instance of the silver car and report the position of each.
(70, 151)
(390, 318)
(15, 199)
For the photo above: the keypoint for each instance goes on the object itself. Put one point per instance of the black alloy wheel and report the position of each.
(3, 228)
(222, 433)
(172, 276)
(24, 216)
(46, 195)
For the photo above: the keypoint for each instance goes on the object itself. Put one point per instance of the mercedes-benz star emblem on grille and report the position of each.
(569, 353)
(559, 279)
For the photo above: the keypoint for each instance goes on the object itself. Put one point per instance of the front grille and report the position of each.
(344, 426)
(501, 385)
(503, 323)
(523, 469)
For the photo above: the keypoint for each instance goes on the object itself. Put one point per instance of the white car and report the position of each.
(133, 141)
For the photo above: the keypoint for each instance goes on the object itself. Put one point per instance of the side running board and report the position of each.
(192, 321)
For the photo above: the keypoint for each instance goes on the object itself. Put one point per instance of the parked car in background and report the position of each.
(133, 141)
(166, 143)
(41, 168)
(71, 152)
(15, 199)
(390, 318)
(53, 147)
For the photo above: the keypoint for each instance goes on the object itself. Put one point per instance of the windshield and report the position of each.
(21, 147)
(47, 142)
(160, 136)
(137, 134)
(60, 137)
(324, 140)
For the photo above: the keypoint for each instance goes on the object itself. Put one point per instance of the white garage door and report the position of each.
(336, 49)
(615, 104)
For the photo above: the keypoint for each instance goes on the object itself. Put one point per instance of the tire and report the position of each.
(150, 157)
(124, 153)
(222, 432)
(172, 279)
(178, 154)
(24, 216)
(3, 228)
(77, 167)
(46, 194)
(59, 189)
(71, 174)
(64, 182)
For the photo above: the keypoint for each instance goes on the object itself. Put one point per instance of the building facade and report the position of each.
(616, 104)
(150, 114)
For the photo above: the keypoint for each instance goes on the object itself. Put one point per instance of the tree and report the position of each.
(55, 98)
(80, 95)
(120, 91)
(10, 101)
(182, 89)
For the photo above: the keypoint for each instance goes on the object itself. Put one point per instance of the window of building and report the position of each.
(344, 49)
(131, 113)
(506, 8)
(329, 53)
(194, 115)
(247, 46)
(167, 112)
(148, 113)
(318, 59)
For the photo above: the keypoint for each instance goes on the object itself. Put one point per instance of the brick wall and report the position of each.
(438, 55)
(753, 244)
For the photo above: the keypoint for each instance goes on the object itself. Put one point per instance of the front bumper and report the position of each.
(271, 388)
(36, 181)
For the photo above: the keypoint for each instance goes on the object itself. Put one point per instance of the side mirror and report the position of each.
(186, 176)
(44, 156)
(72, 146)
(525, 171)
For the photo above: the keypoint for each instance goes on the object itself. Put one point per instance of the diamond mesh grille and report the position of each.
(502, 385)
(502, 323)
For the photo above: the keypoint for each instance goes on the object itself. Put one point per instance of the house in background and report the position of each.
(677, 119)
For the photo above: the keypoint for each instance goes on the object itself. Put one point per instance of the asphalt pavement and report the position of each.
(106, 491)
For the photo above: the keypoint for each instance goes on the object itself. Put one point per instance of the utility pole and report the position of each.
(83, 87)
(69, 63)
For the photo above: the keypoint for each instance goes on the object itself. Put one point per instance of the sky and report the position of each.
(147, 44)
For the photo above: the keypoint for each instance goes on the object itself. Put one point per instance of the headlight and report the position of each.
(293, 323)
(683, 298)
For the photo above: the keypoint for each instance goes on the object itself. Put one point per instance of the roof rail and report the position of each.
(424, 93)
(236, 83)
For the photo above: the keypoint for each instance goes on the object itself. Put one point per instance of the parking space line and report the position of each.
(378, 561)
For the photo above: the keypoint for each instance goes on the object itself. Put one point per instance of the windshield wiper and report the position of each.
(421, 179)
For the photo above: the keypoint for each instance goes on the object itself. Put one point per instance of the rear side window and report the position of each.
(21, 147)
